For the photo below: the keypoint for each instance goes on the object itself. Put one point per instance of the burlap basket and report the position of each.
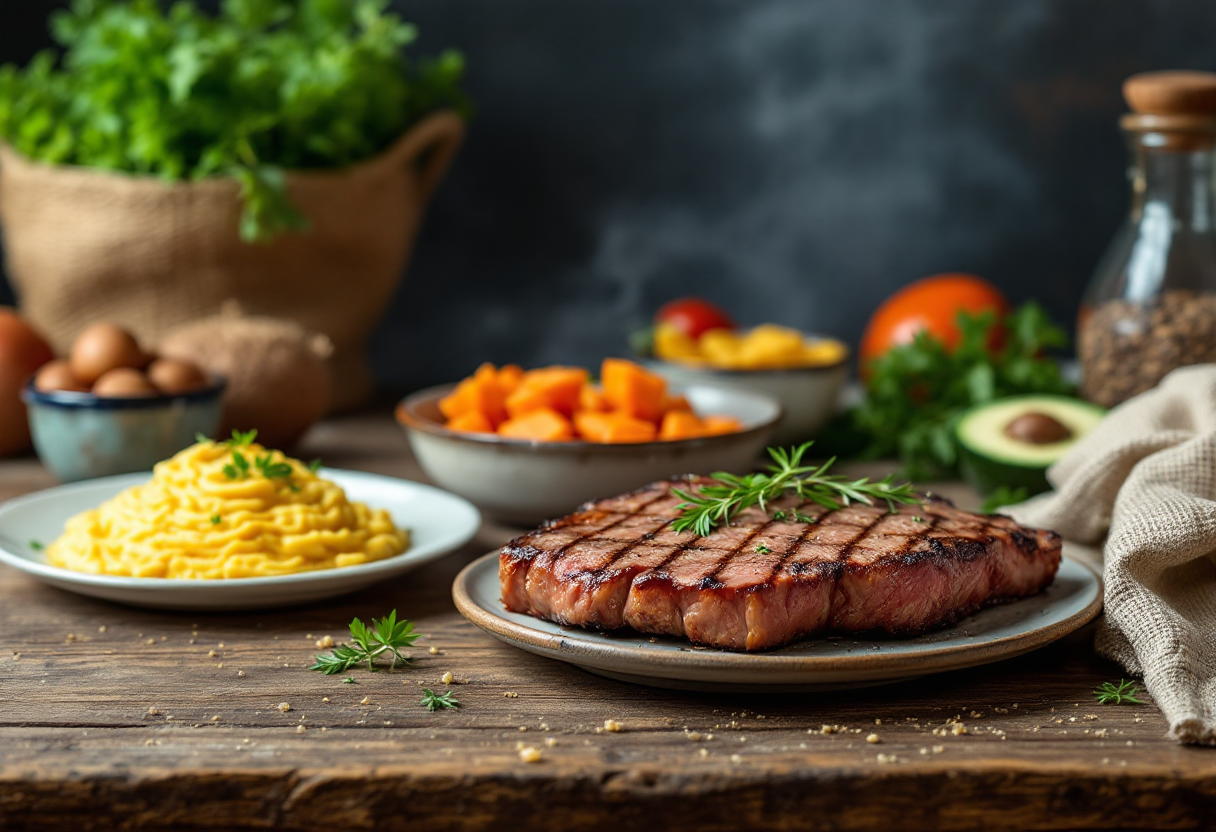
(85, 245)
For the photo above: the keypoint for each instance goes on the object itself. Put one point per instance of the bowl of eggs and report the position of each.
(110, 407)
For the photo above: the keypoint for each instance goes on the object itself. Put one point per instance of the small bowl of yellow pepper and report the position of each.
(804, 372)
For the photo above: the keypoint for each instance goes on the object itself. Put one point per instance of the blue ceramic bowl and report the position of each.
(79, 436)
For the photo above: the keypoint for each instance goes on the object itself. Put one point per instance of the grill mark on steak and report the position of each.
(561, 553)
(798, 541)
(856, 568)
(711, 581)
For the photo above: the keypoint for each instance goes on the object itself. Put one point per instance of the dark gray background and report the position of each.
(794, 160)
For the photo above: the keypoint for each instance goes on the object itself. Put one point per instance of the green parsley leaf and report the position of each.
(215, 519)
(386, 635)
(174, 91)
(1004, 495)
(241, 439)
(436, 701)
(36, 545)
(314, 466)
(917, 392)
(764, 550)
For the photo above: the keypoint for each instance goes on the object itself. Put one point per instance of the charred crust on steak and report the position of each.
(617, 563)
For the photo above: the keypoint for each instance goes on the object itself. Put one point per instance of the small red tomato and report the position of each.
(693, 316)
(931, 305)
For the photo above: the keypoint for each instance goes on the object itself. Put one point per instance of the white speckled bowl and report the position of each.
(517, 481)
(808, 395)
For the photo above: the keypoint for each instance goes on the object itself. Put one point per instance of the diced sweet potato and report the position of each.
(510, 376)
(552, 388)
(591, 399)
(716, 425)
(613, 427)
(543, 425)
(473, 422)
(673, 401)
(679, 424)
(633, 390)
(480, 393)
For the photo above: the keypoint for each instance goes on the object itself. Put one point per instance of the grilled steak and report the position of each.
(759, 582)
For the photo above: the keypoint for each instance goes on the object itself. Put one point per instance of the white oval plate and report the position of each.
(1001, 632)
(439, 523)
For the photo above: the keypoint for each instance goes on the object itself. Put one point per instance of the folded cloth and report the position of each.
(1145, 481)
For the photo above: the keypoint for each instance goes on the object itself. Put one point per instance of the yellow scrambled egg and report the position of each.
(227, 510)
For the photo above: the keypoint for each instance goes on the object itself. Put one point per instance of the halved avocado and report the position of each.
(1013, 441)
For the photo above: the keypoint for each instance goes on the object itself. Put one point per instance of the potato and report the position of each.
(278, 380)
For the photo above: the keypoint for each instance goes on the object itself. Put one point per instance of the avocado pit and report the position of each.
(1037, 429)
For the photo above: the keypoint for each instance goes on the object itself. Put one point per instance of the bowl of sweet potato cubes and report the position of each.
(528, 445)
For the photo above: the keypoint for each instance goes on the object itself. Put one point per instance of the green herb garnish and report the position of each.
(1117, 693)
(273, 470)
(241, 439)
(764, 550)
(715, 505)
(388, 635)
(349, 680)
(263, 86)
(215, 519)
(238, 469)
(917, 392)
(1004, 495)
(36, 545)
(435, 701)
(314, 466)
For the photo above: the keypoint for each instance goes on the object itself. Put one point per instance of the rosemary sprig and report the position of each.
(388, 635)
(435, 701)
(716, 505)
(1116, 693)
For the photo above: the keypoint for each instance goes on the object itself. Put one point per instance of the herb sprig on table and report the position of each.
(715, 505)
(261, 87)
(437, 701)
(386, 635)
(1117, 693)
(917, 392)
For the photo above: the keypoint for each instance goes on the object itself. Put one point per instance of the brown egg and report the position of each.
(124, 383)
(57, 375)
(103, 347)
(172, 375)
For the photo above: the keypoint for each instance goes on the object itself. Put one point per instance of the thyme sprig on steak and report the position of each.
(715, 505)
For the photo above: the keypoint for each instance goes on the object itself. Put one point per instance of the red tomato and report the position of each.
(931, 304)
(22, 351)
(693, 316)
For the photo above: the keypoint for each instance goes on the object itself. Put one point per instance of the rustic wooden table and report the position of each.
(118, 717)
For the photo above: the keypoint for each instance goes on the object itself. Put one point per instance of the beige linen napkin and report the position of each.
(1145, 480)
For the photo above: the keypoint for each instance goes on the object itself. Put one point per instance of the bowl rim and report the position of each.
(75, 400)
(407, 416)
(741, 373)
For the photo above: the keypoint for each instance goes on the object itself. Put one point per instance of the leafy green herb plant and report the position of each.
(1004, 495)
(917, 392)
(386, 635)
(437, 701)
(261, 87)
(715, 505)
(1118, 693)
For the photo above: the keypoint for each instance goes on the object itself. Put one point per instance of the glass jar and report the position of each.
(1151, 305)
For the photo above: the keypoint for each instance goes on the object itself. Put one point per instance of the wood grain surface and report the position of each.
(112, 717)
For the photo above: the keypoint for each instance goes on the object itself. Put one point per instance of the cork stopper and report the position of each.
(1172, 92)
(1177, 106)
